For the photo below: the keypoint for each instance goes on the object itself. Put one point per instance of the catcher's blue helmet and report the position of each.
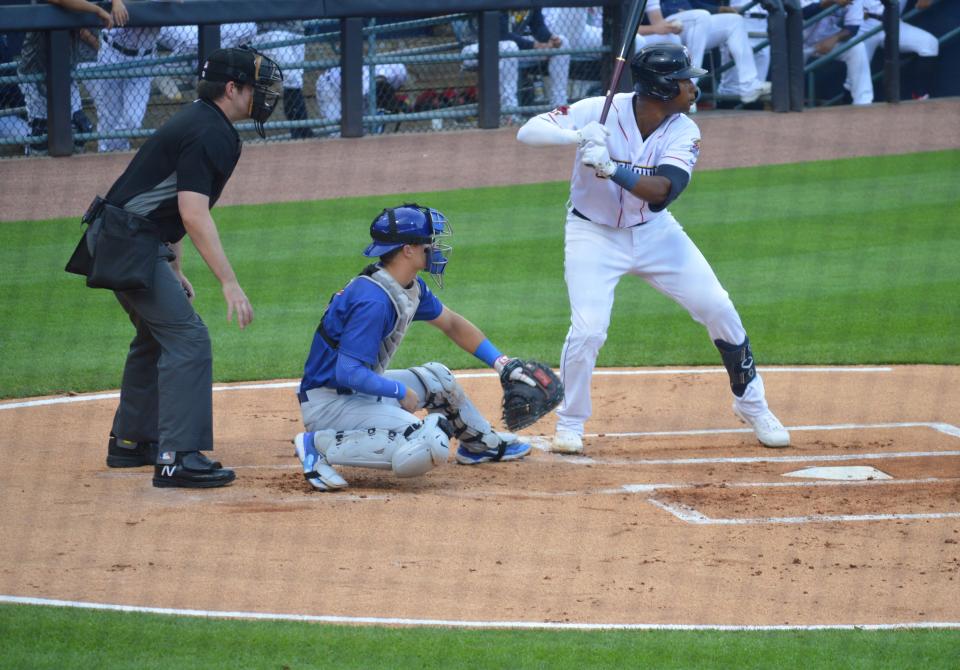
(411, 224)
(657, 69)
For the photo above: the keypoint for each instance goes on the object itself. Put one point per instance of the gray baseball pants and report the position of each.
(167, 391)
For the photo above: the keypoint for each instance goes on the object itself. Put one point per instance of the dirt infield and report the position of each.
(698, 525)
(674, 515)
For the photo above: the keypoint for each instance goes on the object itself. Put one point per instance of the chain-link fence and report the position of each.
(419, 74)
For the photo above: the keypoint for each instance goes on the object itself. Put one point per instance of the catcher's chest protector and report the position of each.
(405, 302)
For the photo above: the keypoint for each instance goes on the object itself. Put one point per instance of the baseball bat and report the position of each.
(629, 31)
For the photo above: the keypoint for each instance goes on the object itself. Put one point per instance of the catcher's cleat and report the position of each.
(316, 470)
(509, 450)
(127, 454)
(566, 442)
(768, 428)
(189, 469)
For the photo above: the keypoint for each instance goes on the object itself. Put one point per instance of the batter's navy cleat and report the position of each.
(566, 442)
(316, 470)
(127, 454)
(767, 427)
(510, 449)
(191, 470)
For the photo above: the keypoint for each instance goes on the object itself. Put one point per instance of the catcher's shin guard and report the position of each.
(444, 393)
(420, 448)
(426, 445)
(738, 359)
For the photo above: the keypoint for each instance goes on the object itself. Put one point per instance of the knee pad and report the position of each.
(443, 391)
(738, 359)
(446, 395)
(425, 446)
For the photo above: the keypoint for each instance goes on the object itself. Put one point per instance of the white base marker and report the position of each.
(846, 472)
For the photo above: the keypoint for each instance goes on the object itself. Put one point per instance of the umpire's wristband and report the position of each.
(625, 177)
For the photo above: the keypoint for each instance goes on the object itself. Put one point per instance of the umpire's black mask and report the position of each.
(247, 66)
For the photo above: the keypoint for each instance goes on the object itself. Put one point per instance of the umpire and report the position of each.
(165, 416)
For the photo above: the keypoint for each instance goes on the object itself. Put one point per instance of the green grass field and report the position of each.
(850, 261)
(82, 639)
(840, 262)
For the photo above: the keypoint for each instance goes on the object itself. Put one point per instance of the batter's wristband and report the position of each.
(625, 177)
(487, 353)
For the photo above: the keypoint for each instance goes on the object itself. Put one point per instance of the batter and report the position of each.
(627, 171)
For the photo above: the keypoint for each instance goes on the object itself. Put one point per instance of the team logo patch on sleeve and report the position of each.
(695, 148)
(562, 110)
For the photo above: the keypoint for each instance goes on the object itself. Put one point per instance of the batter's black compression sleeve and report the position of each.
(678, 181)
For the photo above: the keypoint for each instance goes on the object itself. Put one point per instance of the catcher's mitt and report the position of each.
(523, 404)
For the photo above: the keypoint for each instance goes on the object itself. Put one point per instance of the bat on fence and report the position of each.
(629, 32)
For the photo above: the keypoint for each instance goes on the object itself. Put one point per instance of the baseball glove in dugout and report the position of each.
(530, 390)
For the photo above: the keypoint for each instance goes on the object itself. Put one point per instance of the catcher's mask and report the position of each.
(247, 66)
(657, 70)
(412, 224)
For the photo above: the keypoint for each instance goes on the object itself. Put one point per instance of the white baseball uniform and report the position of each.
(858, 82)
(184, 39)
(610, 233)
(755, 21)
(122, 101)
(703, 31)
(912, 39)
(329, 83)
(583, 28)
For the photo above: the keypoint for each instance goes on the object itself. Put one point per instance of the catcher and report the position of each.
(358, 412)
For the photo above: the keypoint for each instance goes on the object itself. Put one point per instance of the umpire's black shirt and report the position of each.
(196, 150)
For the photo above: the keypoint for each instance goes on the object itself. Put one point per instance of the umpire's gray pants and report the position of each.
(167, 390)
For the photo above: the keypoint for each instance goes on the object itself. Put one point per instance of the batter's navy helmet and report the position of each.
(411, 224)
(657, 69)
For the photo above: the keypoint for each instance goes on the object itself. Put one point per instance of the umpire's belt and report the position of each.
(302, 395)
(878, 17)
(133, 53)
(577, 213)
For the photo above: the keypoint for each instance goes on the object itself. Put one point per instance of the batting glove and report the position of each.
(592, 132)
(598, 157)
(511, 369)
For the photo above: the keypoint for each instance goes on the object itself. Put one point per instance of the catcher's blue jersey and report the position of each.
(359, 317)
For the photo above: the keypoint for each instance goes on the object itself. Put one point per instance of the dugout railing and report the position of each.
(345, 26)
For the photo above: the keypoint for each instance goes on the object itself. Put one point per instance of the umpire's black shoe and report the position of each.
(127, 454)
(190, 469)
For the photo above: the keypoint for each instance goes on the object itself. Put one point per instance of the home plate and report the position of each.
(851, 473)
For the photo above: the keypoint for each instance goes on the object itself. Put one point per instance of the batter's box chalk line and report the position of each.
(690, 515)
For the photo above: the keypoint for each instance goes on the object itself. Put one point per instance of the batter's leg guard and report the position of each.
(738, 359)
(295, 109)
(444, 393)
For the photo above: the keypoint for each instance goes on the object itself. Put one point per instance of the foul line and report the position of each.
(453, 623)
(470, 375)
(691, 515)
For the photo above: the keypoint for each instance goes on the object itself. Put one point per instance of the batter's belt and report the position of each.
(580, 215)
